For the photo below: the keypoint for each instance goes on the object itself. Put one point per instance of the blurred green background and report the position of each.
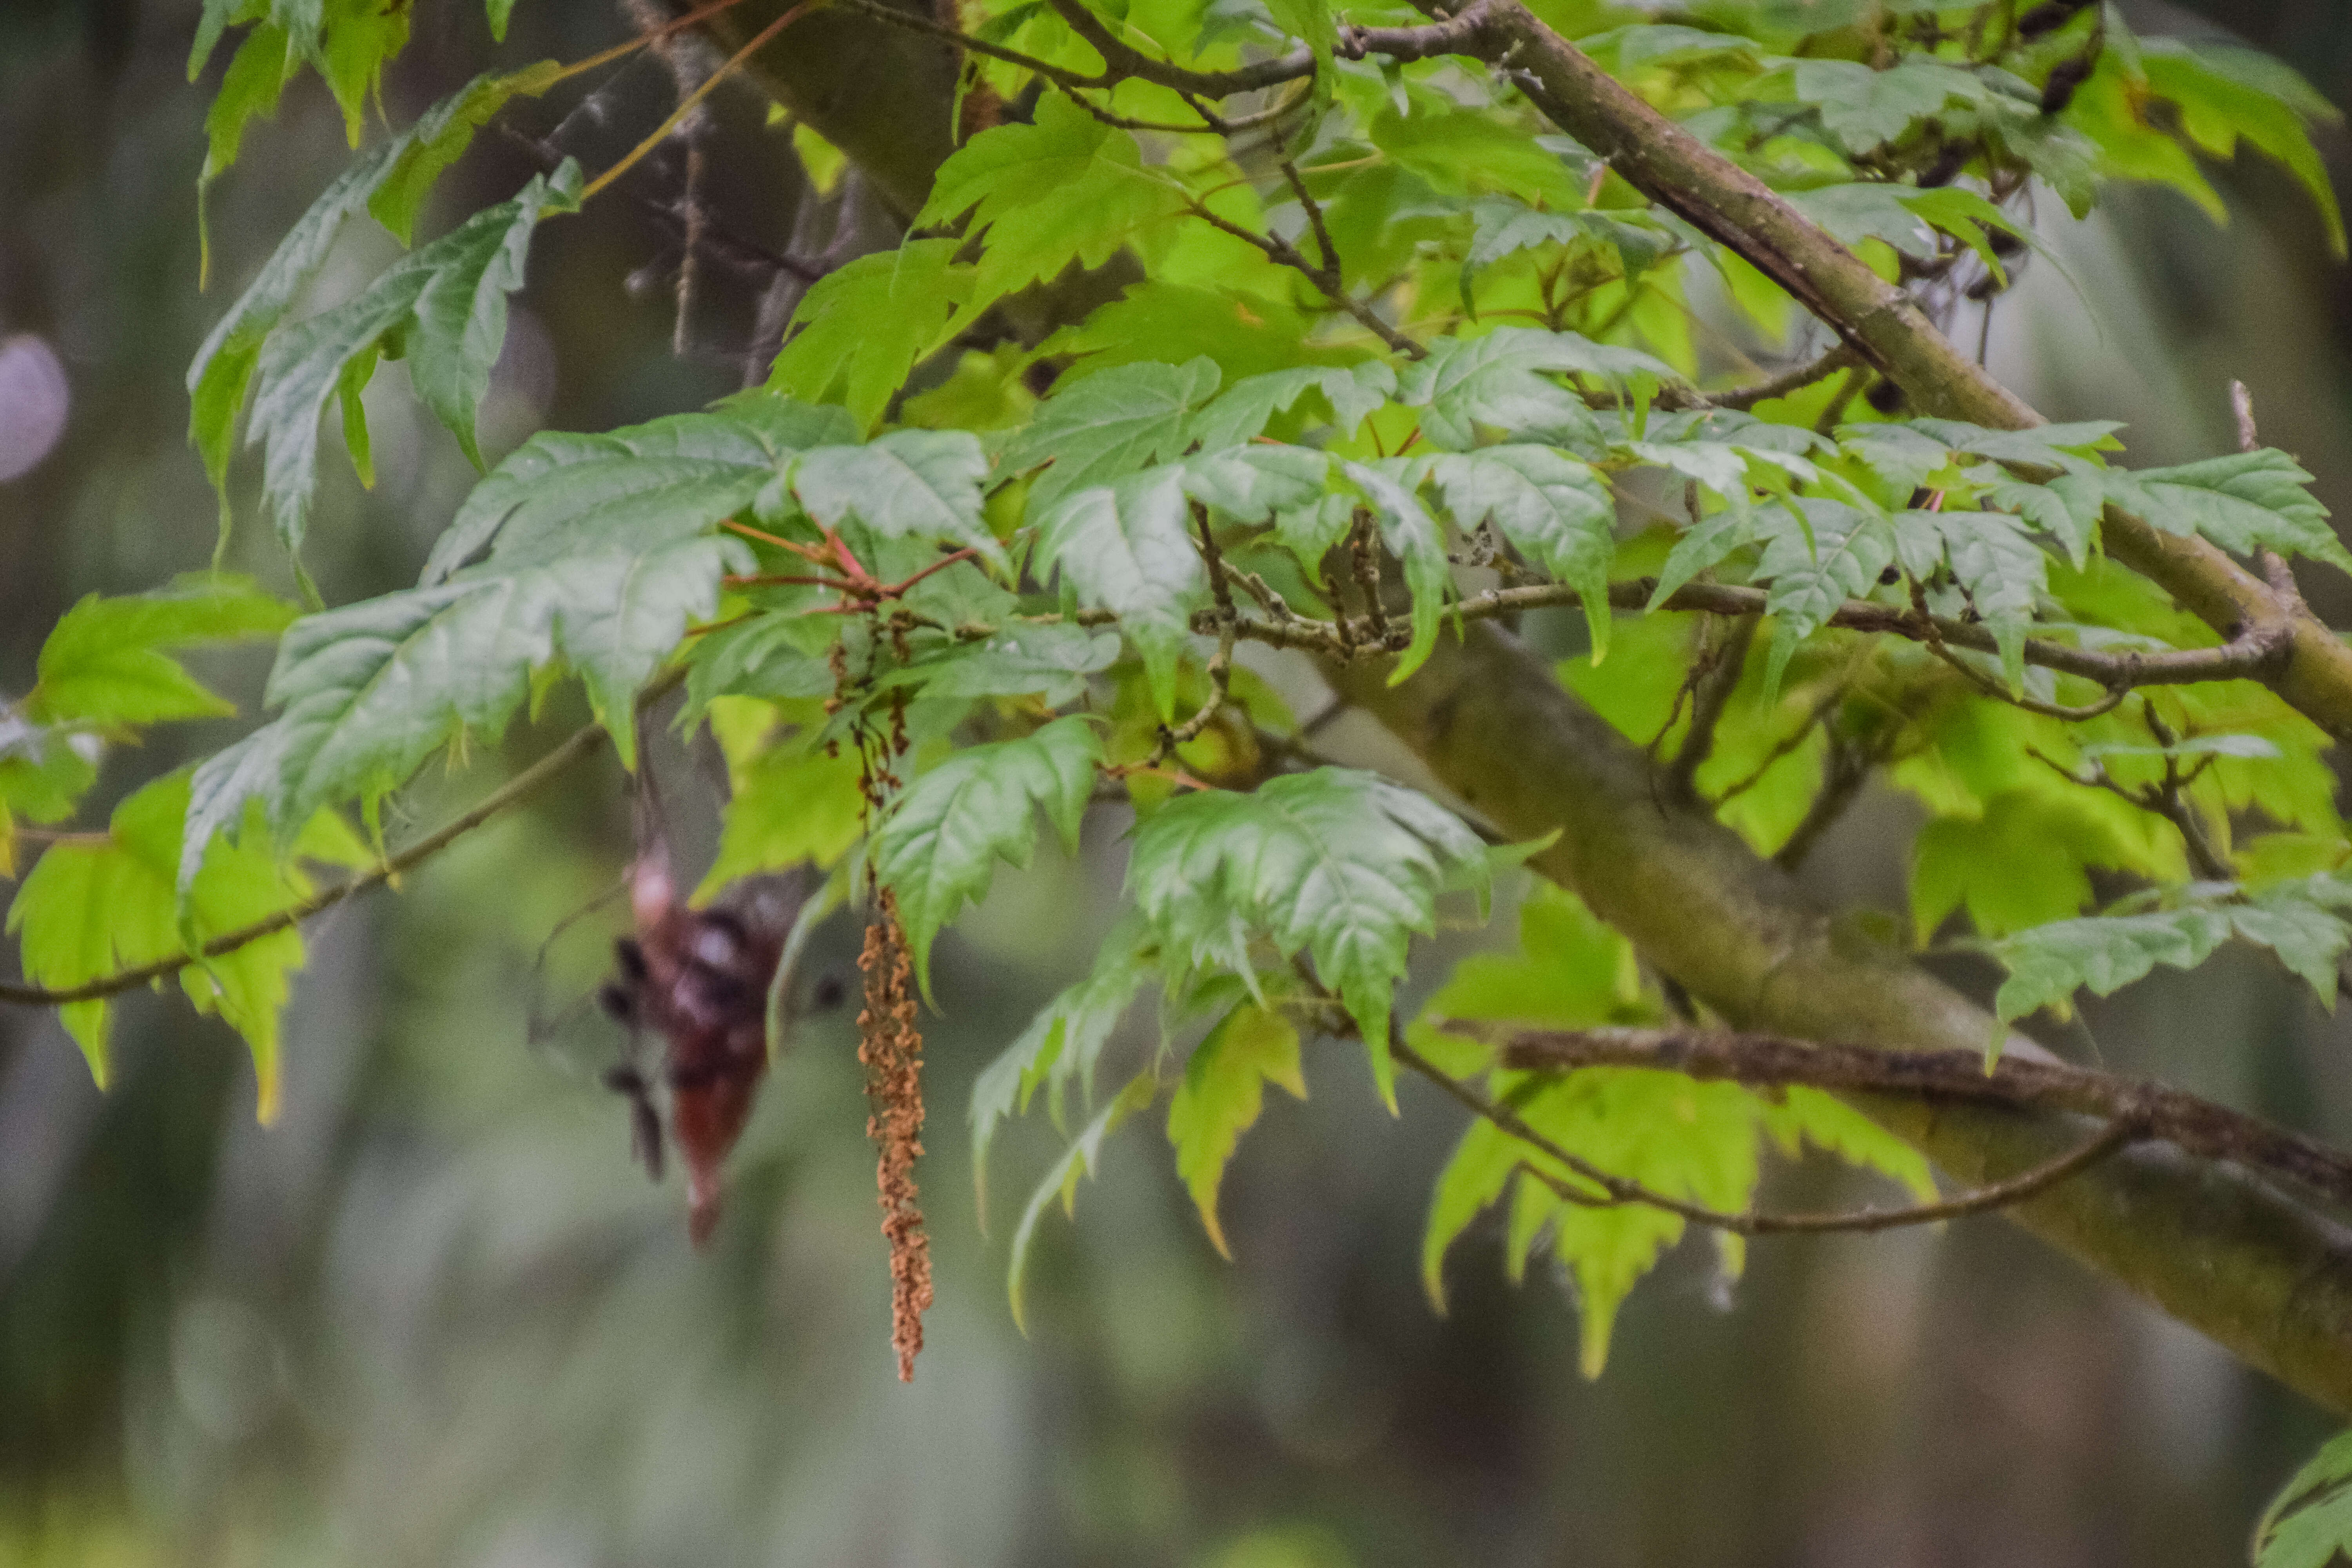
(435, 1317)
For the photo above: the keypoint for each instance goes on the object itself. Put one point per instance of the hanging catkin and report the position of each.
(891, 1048)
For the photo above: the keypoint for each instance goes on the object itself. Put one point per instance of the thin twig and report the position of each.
(1616, 1190)
(1711, 685)
(692, 100)
(2198, 1126)
(747, 258)
(579, 745)
(1742, 399)
(1782, 747)
(1282, 253)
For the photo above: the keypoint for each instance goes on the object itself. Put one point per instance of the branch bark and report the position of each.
(2226, 1250)
(1614, 1191)
(2199, 1126)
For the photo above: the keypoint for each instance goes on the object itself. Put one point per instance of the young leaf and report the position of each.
(1064, 188)
(1109, 425)
(1343, 865)
(1127, 546)
(445, 306)
(1242, 410)
(89, 910)
(1571, 971)
(257, 76)
(44, 770)
(356, 39)
(1556, 510)
(1473, 1180)
(1049, 662)
(923, 484)
(2225, 93)
(1062, 1178)
(1062, 1044)
(2309, 1523)
(1695, 1140)
(391, 182)
(1498, 380)
(788, 805)
(1222, 1090)
(1415, 537)
(940, 843)
(861, 328)
(2245, 501)
(104, 662)
(2024, 862)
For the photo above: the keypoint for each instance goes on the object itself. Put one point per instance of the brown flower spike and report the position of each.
(891, 1049)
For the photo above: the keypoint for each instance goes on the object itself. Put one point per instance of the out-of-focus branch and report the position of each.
(2202, 1128)
(1616, 1191)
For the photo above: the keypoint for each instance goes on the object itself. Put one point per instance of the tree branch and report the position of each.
(1887, 330)
(1617, 1191)
(579, 745)
(2199, 1126)
(2226, 1250)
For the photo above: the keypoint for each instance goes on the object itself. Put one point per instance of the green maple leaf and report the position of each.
(1109, 425)
(1556, 509)
(389, 181)
(1989, 555)
(1414, 537)
(1255, 481)
(1061, 1181)
(923, 484)
(1049, 662)
(1244, 408)
(1128, 547)
(104, 662)
(87, 910)
(863, 327)
(2226, 93)
(1061, 1044)
(2047, 964)
(1498, 380)
(789, 804)
(1699, 1142)
(605, 575)
(939, 845)
(2244, 501)
(1909, 218)
(1341, 865)
(2309, 1523)
(445, 307)
(1219, 1099)
(1065, 188)
(1866, 108)
(1819, 554)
